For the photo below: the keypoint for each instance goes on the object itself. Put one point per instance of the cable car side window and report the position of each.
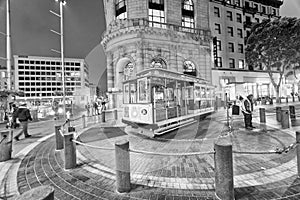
(132, 92)
(126, 93)
(143, 91)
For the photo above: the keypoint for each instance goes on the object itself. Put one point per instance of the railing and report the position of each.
(144, 23)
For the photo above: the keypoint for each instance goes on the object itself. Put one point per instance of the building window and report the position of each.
(264, 10)
(218, 28)
(120, 7)
(241, 64)
(231, 63)
(156, 13)
(238, 3)
(217, 12)
(229, 15)
(219, 61)
(274, 11)
(189, 68)
(240, 48)
(158, 63)
(188, 14)
(239, 17)
(219, 45)
(230, 31)
(231, 47)
(240, 32)
(128, 71)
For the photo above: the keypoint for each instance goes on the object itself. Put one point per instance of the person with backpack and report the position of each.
(23, 114)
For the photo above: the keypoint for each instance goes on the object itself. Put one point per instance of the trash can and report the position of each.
(5, 145)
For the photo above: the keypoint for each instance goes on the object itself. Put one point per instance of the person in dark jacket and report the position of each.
(247, 109)
(23, 114)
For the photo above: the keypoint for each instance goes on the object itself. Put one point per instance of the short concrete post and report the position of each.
(70, 151)
(292, 112)
(224, 170)
(83, 121)
(103, 116)
(298, 151)
(116, 114)
(59, 138)
(5, 145)
(122, 166)
(278, 114)
(44, 192)
(262, 115)
(285, 120)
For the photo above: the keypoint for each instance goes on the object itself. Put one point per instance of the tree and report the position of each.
(274, 44)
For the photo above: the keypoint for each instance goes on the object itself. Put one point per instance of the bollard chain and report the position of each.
(286, 149)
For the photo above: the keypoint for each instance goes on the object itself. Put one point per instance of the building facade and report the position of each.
(41, 77)
(141, 34)
(230, 22)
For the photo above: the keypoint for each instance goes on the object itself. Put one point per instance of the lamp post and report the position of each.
(8, 45)
(61, 33)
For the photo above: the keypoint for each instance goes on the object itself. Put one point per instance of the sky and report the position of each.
(84, 23)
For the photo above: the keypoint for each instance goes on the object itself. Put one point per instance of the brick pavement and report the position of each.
(257, 177)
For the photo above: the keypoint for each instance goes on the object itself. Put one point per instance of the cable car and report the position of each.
(160, 100)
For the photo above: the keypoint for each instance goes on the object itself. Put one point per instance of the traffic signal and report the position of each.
(215, 50)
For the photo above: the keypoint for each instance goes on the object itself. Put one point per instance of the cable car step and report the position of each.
(164, 130)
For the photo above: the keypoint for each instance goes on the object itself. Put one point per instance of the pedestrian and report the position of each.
(23, 114)
(96, 108)
(87, 107)
(247, 109)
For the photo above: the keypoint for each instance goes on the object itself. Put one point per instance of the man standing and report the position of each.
(23, 114)
(247, 109)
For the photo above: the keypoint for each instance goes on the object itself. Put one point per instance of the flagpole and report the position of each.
(8, 45)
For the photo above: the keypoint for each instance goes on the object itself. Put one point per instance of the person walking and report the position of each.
(23, 114)
(247, 109)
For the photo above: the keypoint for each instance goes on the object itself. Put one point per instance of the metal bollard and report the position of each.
(5, 145)
(285, 120)
(83, 121)
(116, 114)
(103, 116)
(292, 112)
(59, 139)
(122, 166)
(44, 192)
(224, 170)
(298, 151)
(70, 151)
(278, 114)
(262, 115)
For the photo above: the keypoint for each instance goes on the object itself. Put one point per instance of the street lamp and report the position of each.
(61, 33)
(8, 45)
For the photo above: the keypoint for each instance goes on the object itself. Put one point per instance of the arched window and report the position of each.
(189, 68)
(158, 63)
(157, 13)
(188, 15)
(128, 71)
(120, 7)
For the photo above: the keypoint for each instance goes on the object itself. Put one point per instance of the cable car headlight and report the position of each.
(144, 112)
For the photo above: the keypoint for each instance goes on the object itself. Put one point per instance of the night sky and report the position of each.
(84, 23)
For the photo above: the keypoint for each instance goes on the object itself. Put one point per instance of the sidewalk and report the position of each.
(256, 177)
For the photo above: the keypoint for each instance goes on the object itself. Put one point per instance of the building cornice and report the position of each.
(142, 26)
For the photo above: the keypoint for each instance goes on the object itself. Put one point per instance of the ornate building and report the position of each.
(140, 34)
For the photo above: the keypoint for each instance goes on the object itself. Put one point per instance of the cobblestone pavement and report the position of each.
(257, 176)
